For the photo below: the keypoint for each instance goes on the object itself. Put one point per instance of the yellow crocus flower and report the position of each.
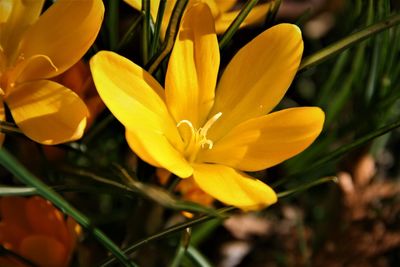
(34, 48)
(213, 136)
(223, 11)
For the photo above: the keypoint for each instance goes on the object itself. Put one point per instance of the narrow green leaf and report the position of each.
(19, 171)
(172, 31)
(145, 31)
(230, 32)
(129, 33)
(197, 258)
(348, 42)
(304, 187)
(182, 247)
(17, 191)
(156, 38)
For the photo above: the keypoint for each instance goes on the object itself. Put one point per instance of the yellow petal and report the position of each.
(48, 112)
(15, 17)
(136, 4)
(63, 33)
(136, 100)
(257, 77)
(132, 94)
(263, 142)
(256, 15)
(193, 67)
(232, 187)
(224, 5)
(154, 148)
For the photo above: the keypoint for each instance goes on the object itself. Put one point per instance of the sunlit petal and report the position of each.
(132, 95)
(15, 17)
(263, 142)
(193, 67)
(257, 77)
(48, 112)
(154, 148)
(63, 33)
(232, 187)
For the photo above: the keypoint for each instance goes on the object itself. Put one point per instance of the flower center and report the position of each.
(196, 139)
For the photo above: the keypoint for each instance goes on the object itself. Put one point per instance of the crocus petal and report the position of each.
(63, 33)
(154, 148)
(45, 219)
(257, 77)
(263, 142)
(132, 95)
(225, 6)
(44, 251)
(232, 187)
(193, 67)
(15, 17)
(136, 100)
(12, 234)
(13, 211)
(47, 112)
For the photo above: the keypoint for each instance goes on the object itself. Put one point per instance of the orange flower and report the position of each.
(34, 229)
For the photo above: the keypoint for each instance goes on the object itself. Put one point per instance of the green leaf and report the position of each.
(348, 42)
(232, 29)
(145, 31)
(157, 28)
(170, 36)
(17, 191)
(197, 258)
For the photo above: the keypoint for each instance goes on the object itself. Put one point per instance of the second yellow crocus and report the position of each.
(34, 48)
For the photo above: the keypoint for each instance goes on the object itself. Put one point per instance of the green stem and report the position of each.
(172, 32)
(197, 258)
(228, 34)
(182, 247)
(157, 28)
(17, 169)
(348, 42)
(146, 30)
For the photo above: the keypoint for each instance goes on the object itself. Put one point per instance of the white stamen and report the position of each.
(209, 123)
(188, 123)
